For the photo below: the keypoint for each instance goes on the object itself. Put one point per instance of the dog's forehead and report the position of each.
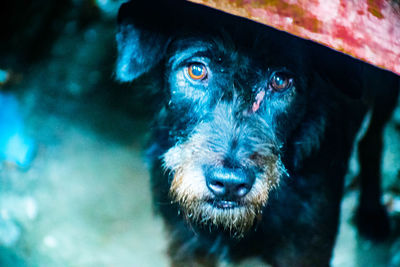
(264, 50)
(189, 47)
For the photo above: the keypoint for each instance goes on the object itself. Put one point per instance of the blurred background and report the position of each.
(73, 181)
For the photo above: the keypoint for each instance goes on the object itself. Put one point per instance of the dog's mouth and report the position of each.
(224, 204)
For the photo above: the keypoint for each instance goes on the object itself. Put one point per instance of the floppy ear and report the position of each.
(341, 70)
(141, 39)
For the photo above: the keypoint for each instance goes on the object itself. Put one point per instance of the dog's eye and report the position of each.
(280, 81)
(197, 71)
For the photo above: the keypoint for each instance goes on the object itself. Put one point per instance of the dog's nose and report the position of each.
(229, 184)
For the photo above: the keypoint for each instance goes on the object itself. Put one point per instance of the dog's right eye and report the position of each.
(197, 71)
(280, 81)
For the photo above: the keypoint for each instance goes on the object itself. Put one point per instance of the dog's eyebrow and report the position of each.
(184, 54)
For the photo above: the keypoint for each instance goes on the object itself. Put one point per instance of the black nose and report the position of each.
(229, 184)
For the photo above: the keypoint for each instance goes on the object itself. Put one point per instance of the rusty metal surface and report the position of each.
(366, 29)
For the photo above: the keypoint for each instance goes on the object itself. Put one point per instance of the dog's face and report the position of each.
(234, 108)
(233, 101)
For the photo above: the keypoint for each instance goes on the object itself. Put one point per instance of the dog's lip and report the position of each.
(224, 204)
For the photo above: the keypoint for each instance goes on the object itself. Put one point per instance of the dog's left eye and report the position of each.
(197, 71)
(280, 81)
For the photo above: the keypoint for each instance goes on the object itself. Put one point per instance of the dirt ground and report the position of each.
(85, 199)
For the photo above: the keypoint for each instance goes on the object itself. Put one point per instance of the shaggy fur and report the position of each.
(290, 146)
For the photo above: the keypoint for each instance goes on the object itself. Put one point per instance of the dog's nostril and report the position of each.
(217, 187)
(218, 184)
(242, 190)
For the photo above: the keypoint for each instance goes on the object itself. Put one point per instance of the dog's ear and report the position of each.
(141, 39)
(343, 71)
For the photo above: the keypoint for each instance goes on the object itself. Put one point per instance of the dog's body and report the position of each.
(253, 134)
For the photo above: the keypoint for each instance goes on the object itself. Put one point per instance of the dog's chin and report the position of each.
(232, 217)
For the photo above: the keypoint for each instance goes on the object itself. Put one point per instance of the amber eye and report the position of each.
(280, 81)
(197, 71)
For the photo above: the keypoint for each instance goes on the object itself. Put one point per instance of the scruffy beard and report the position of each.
(188, 189)
(236, 220)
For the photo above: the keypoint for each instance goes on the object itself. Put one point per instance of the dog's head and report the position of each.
(237, 96)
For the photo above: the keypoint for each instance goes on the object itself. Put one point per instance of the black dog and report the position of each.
(253, 134)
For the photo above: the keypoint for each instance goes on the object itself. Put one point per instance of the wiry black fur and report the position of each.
(310, 129)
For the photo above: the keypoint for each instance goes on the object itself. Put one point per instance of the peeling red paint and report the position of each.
(299, 15)
(375, 8)
(343, 33)
(366, 29)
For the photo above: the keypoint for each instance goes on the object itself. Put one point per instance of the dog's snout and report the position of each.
(229, 184)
